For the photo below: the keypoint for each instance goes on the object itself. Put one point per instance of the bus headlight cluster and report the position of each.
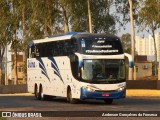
(90, 89)
(121, 88)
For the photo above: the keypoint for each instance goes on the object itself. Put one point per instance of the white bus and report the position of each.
(77, 66)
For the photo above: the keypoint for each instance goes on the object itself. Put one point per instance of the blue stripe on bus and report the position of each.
(53, 61)
(43, 68)
(55, 68)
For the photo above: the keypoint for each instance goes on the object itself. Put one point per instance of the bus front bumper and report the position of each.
(85, 94)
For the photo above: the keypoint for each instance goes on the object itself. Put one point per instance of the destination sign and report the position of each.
(101, 47)
(101, 51)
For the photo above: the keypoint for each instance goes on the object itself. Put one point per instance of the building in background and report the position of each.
(144, 67)
(151, 44)
(10, 68)
(145, 46)
(142, 46)
(157, 36)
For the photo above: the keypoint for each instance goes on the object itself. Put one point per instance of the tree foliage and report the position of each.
(149, 16)
(25, 20)
(122, 9)
(149, 20)
(5, 33)
(126, 42)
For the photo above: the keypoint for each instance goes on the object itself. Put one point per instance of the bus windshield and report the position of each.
(103, 70)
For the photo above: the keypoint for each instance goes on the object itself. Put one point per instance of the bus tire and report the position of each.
(42, 96)
(69, 97)
(45, 97)
(108, 101)
(36, 93)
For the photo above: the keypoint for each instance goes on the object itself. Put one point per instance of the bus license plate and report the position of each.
(105, 95)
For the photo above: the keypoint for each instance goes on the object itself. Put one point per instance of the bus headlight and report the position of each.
(90, 89)
(121, 88)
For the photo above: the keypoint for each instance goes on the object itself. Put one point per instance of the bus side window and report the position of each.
(36, 51)
(74, 45)
(32, 51)
(50, 51)
(55, 48)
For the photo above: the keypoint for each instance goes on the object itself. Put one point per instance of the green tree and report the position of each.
(102, 19)
(128, 8)
(122, 9)
(15, 26)
(36, 19)
(64, 5)
(149, 20)
(5, 33)
(126, 42)
(23, 10)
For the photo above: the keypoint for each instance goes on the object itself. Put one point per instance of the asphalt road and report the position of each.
(29, 103)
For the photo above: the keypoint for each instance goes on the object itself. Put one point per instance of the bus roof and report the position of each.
(68, 35)
(55, 37)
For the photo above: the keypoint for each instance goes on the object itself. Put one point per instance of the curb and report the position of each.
(142, 92)
(18, 94)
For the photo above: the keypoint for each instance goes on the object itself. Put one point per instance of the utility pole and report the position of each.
(89, 16)
(132, 31)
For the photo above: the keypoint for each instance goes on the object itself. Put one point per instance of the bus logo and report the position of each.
(31, 64)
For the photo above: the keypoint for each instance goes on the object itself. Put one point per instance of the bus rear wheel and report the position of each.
(108, 101)
(44, 97)
(37, 94)
(69, 97)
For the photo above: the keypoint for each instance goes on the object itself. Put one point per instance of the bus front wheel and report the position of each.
(69, 97)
